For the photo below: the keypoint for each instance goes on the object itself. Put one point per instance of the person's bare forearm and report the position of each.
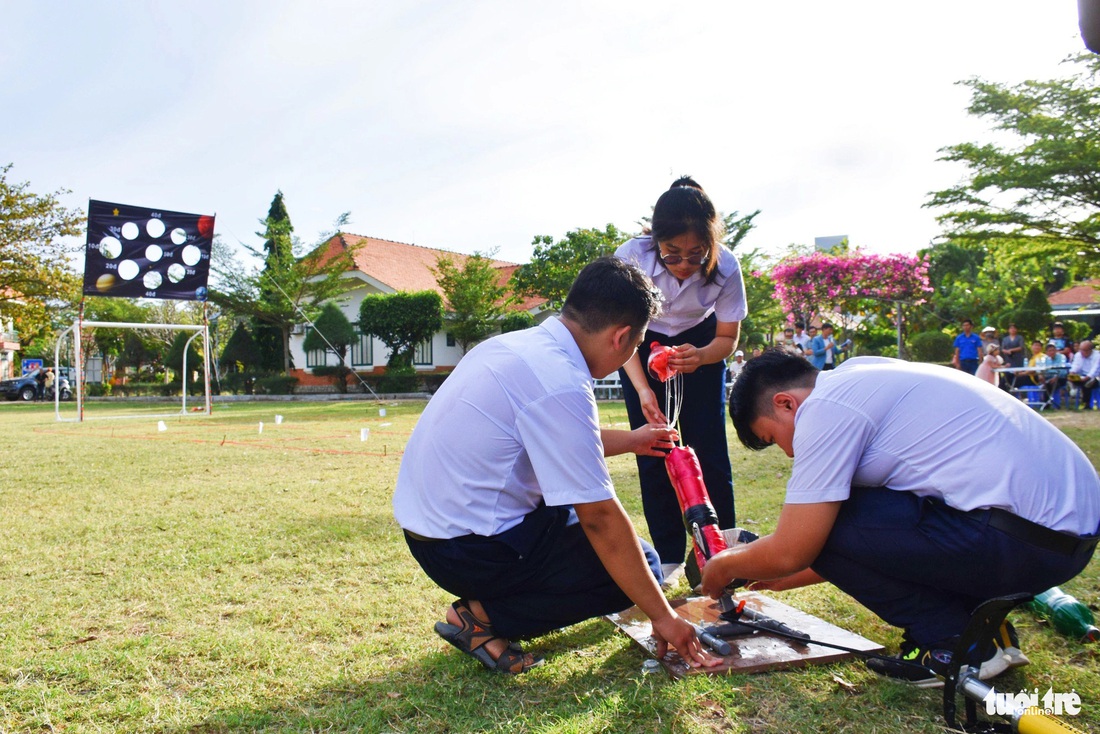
(613, 538)
(720, 348)
(647, 440)
(636, 373)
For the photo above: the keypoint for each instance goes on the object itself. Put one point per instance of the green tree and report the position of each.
(333, 333)
(290, 288)
(35, 278)
(174, 358)
(108, 342)
(737, 228)
(1037, 195)
(978, 283)
(241, 353)
(764, 312)
(554, 266)
(401, 321)
(516, 321)
(278, 251)
(932, 346)
(1032, 317)
(138, 351)
(475, 298)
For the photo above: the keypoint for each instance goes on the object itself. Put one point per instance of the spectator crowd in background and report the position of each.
(1060, 371)
(1063, 371)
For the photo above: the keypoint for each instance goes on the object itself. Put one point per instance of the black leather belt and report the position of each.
(1039, 535)
(421, 538)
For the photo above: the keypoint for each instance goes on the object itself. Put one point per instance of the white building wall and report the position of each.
(442, 354)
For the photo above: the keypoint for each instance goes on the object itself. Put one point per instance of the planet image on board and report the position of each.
(153, 253)
(110, 247)
(152, 280)
(155, 228)
(200, 293)
(130, 230)
(206, 226)
(176, 272)
(105, 282)
(191, 255)
(128, 270)
(178, 236)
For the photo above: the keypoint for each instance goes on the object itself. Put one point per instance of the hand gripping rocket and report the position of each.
(701, 520)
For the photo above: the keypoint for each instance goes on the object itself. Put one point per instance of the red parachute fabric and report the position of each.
(658, 362)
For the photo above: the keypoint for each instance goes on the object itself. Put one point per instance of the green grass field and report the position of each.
(213, 578)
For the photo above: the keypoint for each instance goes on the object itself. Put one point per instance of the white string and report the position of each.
(674, 398)
(324, 338)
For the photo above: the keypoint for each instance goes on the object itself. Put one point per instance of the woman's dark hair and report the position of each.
(685, 207)
(612, 292)
(775, 370)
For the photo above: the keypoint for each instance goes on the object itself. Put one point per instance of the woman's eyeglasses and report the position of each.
(677, 259)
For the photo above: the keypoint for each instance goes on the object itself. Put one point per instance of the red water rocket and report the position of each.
(700, 518)
(658, 362)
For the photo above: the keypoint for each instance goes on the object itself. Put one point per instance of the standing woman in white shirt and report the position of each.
(704, 305)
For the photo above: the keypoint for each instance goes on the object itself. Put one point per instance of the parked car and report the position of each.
(20, 388)
(24, 388)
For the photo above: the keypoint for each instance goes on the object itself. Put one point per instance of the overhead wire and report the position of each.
(312, 325)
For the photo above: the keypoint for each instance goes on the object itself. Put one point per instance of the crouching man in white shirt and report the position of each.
(901, 497)
(504, 494)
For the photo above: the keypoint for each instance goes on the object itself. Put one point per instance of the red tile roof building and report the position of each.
(384, 266)
(1084, 295)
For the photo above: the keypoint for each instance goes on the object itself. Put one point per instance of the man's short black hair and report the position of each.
(773, 371)
(612, 292)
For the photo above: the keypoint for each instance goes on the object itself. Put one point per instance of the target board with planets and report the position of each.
(137, 252)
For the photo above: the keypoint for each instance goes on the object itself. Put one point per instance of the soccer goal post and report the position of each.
(76, 329)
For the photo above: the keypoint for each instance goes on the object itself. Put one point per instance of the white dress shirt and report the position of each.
(688, 303)
(515, 424)
(925, 429)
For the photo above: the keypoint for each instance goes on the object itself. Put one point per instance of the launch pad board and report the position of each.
(755, 653)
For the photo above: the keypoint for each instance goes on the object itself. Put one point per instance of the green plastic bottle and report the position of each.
(1069, 616)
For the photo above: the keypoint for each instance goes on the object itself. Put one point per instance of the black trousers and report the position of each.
(923, 566)
(539, 576)
(702, 427)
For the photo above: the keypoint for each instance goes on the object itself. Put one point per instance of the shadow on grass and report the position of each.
(450, 692)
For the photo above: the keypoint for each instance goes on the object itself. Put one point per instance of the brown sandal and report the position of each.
(475, 633)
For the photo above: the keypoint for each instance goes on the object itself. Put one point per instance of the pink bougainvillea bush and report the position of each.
(820, 283)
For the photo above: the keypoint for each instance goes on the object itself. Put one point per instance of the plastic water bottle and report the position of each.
(1069, 616)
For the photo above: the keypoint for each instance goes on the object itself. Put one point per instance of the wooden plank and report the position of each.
(755, 653)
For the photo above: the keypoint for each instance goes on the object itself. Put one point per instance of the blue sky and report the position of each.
(474, 126)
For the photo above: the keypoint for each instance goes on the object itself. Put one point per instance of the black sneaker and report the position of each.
(926, 667)
(918, 666)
